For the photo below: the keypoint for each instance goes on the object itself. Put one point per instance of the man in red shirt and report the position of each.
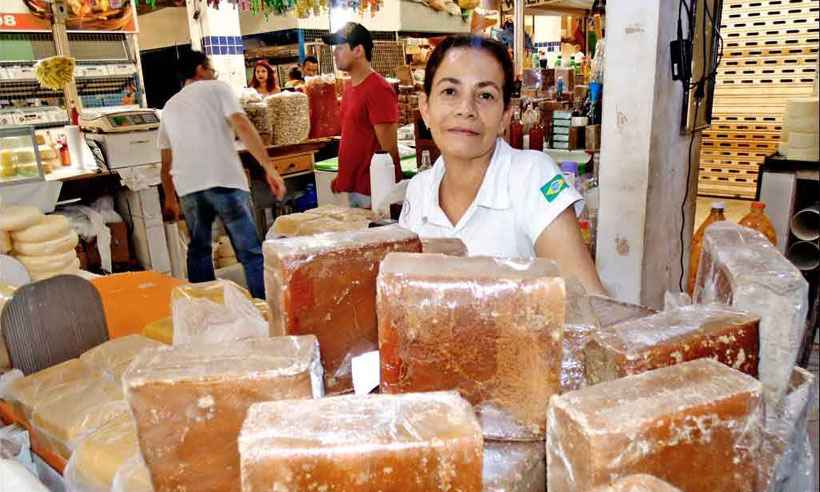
(370, 114)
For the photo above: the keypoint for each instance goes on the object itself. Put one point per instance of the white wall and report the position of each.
(163, 28)
(547, 28)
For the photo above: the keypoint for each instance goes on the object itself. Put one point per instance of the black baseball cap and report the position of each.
(353, 34)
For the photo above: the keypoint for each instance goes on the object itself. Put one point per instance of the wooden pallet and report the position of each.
(769, 56)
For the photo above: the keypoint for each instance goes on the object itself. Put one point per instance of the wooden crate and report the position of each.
(769, 56)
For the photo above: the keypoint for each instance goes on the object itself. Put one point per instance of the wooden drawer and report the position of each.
(296, 163)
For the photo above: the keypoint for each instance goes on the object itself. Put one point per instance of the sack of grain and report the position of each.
(289, 113)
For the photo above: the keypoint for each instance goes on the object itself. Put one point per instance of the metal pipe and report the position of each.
(518, 49)
(804, 255)
(805, 224)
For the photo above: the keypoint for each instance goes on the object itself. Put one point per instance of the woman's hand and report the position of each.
(277, 185)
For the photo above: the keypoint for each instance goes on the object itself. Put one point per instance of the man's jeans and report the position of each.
(234, 208)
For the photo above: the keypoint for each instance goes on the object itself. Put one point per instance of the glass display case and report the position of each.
(20, 160)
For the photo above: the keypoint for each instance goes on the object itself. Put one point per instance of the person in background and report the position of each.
(370, 114)
(264, 79)
(310, 67)
(201, 165)
(500, 201)
(295, 79)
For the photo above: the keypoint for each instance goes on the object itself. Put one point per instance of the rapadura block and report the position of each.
(638, 483)
(581, 322)
(489, 328)
(100, 455)
(410, 443)
(26, 393)
(113, 357)
(514, 467)
(678, 335)
(610, 312)
(450, 246)
(189, 403)
(696, 425)
(325, 285)
(739, 266)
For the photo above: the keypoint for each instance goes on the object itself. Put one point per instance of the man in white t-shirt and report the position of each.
(201, 165)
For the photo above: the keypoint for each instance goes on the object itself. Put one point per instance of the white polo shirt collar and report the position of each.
(494, 192)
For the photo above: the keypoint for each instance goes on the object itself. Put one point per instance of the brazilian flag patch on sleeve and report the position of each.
(554, 187)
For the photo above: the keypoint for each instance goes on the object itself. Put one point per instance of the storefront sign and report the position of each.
(94, 15)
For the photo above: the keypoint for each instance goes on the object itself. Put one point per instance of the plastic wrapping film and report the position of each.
(325, 285)
(26, 393)
(739, 266)
(133, 476)
(610, 312)
(214, 312)
(696, 425)
(787, 461)
(189, 403)
(327, 218)
(65, 420)
(514, 467)
(489, 328)
(113, 357)
(581, 322)
(413, 443)
(101, 454)
(6, 292)
(451, 246)
(715, 331)
(638, 483)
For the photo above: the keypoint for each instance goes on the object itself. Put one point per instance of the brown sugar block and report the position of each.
(638, 483)
(451, 246)
(671, 337)
(739, 266)
(696, 425)
(410, 443)
(580, 323)
(189, 402)
(95, 461)
(27, 393)
(611, 312)
(490, 328)
(325, 285)
(514, 467)
(113, 357)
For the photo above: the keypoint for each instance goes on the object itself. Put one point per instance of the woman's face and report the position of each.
(465, 110)
(261, 74)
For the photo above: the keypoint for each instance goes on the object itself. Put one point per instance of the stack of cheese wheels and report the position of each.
(44, 244)
(224, 254)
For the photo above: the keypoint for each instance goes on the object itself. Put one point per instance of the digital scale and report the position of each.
(127, 136)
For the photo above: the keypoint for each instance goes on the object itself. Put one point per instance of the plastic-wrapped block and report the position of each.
(451, 246)
(133, 476)
(100, 455)
(787, 462)
(696, 425)
(610, 312)
(189, 403)
(489, 328)
(514, 467)
(413, 443)
(65, 419)
(113, 357)
(325, 285)
(26, 393)
(671, 337)
(581, 322)
(638, 483)
(214, 312)
(739, 266)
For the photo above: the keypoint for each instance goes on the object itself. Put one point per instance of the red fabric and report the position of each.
(325, 115)
(372, 102)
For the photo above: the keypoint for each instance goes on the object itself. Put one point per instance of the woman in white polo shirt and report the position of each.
(498, 200)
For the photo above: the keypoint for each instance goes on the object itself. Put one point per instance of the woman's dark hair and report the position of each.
(494, 48)
(188, 63)
(270, 84)
(295, 74)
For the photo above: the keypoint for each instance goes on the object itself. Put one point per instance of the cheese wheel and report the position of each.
(51, 263)
(73, 267)
(50, 227)
(5, 242)
(48, 248)
(16, 218)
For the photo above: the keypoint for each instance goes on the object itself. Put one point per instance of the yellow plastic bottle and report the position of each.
(758, 220)
(697, 243)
